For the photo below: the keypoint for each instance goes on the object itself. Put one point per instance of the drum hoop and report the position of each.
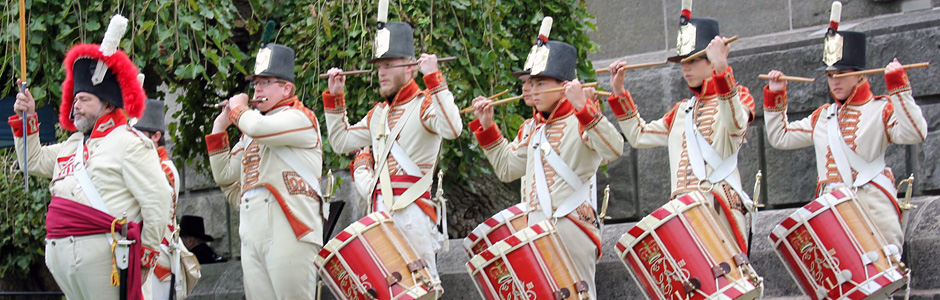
(674, 208)
(355, 232)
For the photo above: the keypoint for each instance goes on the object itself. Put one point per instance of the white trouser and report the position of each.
(275, 264)
(420, 232)
(81, 266)
(580, 247)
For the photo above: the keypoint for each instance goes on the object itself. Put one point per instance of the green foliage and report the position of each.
(23, 218)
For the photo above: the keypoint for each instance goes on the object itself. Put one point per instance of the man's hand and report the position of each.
(24, 102)
(717, 52)
(221, 121)
(617, 75)
(337, 83)
(893, 66)
(575, 94)
(483, 111)
(774, 83)
(237, 100)
(427, 64)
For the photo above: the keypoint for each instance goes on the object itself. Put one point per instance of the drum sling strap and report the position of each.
(583, 191)
(847, 159)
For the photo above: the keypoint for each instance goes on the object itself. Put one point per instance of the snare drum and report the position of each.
(371, 260)
(680, 252)
(531, 264)
(495, 229)
(833, 251)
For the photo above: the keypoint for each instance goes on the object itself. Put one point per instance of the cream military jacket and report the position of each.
(439, 119)
(251, 163)
(122, 164)
(722, 113)
(868, 123)
(583, 139)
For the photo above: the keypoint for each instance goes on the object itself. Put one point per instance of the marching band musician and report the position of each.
(405, 128)
(152, 125)
(272, 176)
(701, 133)
(567, 139)
(102, 176)
(851, 134)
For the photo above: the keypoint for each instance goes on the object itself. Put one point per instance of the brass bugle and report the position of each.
(470, 109)
(788, 78)
(702, 52)
(881, 70)
(223, 104)
(357, 72)
(559, 89)
(631, 67)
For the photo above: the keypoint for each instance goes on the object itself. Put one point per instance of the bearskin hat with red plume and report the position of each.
(104, 71)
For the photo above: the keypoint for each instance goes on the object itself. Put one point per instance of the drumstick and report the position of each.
(470, 109)
(559, 89)
(631, 67)
(353, 72)
(603, 93)
(223, 104)
(881, 70)
(702, 52)
(788, 78)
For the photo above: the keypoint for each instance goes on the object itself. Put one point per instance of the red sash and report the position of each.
(69, 218)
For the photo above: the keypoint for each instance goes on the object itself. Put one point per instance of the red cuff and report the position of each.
(148, 257)
(774, 100)
(588, 115)
(236, 113)
(363, 159)
(622, 105)
(487, 137)
(16, 123)
(333, 103)
(435, 82)
(725, 83)
(897, 81)
(475, 125)
(217, 143)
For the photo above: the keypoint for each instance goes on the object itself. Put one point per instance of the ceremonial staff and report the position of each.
(23, 90)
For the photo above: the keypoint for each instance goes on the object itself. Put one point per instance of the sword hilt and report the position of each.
(603, 216)
(906, 205)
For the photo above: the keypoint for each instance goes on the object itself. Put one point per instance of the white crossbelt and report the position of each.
(88, 187)
(847, 159)
(701, 152)
(389, 144)
(582, 192)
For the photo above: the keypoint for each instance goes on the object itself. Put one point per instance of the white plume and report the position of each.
(112, 37)
(546, 28)
(383, 11)
(836, 14)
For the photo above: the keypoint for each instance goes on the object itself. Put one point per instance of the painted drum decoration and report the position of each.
(371, 260)
(679, 252)
(833, 251)
(495, 229)
(531, 264)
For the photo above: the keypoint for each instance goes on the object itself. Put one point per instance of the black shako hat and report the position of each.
(274, 60)
(561, 62)
(393, 40)
(694, 36)
(152, 120)
(847, 49)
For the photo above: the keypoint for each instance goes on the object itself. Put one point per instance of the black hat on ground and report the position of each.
(694, 36)
(393, 40)
(194, 227)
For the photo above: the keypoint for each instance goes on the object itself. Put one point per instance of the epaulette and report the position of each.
(143, 137)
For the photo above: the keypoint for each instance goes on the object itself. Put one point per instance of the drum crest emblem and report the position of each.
(507, 286)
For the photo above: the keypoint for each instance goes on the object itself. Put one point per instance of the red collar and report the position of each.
(861, 94)
(707, 91)
(162, 152)
(108, 122)
(562, 110)
(406, 93)
(290, 101)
